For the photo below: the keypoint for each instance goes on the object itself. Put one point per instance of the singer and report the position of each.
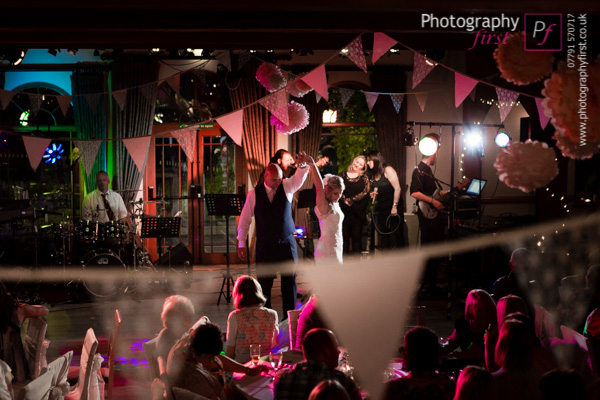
(103, 204)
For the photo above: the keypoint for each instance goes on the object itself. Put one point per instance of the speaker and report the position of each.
(179, 255)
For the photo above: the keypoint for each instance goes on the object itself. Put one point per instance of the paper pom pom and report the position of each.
(298, 119)
(298, 88)
(526, 166)
(270, 76)
(519, 66)
(562, 103)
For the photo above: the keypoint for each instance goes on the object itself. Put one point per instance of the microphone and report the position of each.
(374, 195)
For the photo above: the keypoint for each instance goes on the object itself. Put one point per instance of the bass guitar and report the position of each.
(429, 211)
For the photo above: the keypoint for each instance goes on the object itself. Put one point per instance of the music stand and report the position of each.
(160, 228)
(225, 205)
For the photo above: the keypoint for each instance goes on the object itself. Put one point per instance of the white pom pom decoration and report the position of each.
(270, 76)
(299, 119)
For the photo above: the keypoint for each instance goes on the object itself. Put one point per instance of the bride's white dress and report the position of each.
(331, 242)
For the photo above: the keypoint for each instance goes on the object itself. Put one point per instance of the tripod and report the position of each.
(225, 205)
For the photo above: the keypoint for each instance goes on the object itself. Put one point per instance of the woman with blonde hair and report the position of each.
(354, 204)
(251, 322)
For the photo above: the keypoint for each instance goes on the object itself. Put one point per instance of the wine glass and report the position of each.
(255, 353)
(275, 360)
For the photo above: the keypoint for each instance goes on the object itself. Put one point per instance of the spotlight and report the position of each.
(502, 139)
(300, 232)
(409, 137)
(429, 144)
(474, 142)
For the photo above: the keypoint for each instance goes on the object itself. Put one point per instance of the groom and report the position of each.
(270, 204)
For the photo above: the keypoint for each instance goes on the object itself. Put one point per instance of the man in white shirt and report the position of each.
(270, 203)
(103, 204)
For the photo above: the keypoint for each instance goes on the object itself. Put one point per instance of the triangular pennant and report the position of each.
(345, 94)
(356, 54)
(35, 101)
(243, 58)
(64, 102)
(318, 97)
(397, 99)
(224, 58)
(462, 87)
(138, 150)
(506, 100)
(317, 79)
(422, 100)
(421, 68)
(174, 82)
(147, 91)
(370, 349)
(187, 140)
(540, 108)
(233, 125)
(6, 96)
(35, 148)
(381, 44)
(88, 150)
(120, 96)
(276, 103)
(93, 101)
(371, 98)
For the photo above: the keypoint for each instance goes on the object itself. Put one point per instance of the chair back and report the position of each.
(37, 389)
(90, 344)
(150, 353)
(115, 333)
(59, 369)
(293, 316)
(35, 345)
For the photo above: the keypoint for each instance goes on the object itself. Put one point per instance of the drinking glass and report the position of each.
(275, 360)
(255, 353)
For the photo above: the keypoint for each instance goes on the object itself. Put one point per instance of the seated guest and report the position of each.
(469, 330)
(250, 323)
(309, 318)
(421, 354)
(475, 383)
(177, 317)
(321, 354)
(329, 390)
(508, 284)
(560, 385)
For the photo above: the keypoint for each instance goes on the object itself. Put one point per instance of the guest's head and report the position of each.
(247, 292)
(273, 176)
(329, 390)
(508, 305)
(519, 259)
(375, 162)
(475, 383)
(562, 384)
(321, 345)
(177, 314)
(283, 158)
(480, 310)
(421, 350)
(334, 187)
(359, 165)
(206, 342)
(514, 348)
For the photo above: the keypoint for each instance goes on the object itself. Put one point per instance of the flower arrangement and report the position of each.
(270, 76)
(298, 116)
(526, 166)
(519, 66)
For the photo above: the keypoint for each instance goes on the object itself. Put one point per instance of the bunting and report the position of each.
(345, 94)
(233, 125)
(381, 44)
(64, 102)
(421, 99)
(120, 96)
(187, 140)
(6, 96)
(224, 58)
(174, 81)
(35, 101)
(356, 54)
(462, 87)
(540, 108)
(371, 98)
(318, 97)
(317, 79)
(148, 92)
(35, 148)
(93, 101)
(397, 99)
(88, 150)
(421, 68)
(276, 103)
(138, 150)
(506, 99)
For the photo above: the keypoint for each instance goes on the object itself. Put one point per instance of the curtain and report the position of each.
(134, 120)
(259, 138)
(91, 112)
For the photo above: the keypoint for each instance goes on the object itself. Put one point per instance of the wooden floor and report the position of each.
(73, 311)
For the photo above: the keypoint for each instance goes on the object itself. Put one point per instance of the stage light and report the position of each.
(300, 232)
(409, 138)
(502, 139)
(53, 153)
(474, 142)
(429, 144)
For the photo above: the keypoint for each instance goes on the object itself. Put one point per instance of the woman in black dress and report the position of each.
(354, 204)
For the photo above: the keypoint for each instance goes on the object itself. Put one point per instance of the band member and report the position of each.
(103, 204)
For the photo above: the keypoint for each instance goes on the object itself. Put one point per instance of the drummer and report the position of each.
(103, 204)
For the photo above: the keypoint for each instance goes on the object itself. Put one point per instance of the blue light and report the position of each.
(53, 153)
(502, 139)
(300, 232)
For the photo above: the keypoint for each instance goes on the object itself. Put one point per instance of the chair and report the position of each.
(37, 389)
(58, 369)
(115, 333)
(293, 316)
(150, 354)
(81, 390)
(35, 345)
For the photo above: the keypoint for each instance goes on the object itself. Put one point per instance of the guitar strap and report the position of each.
(428, 174)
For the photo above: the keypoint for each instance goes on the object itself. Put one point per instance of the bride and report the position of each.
(329, 191)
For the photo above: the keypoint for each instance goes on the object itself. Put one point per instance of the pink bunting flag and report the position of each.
(64, 102)
(345, 94)
(93, 101)
(397, 99)
(421, 68)
(462, 87)
(6, 96)
(317, 79)
(138, 150)
(88, 150)
(35, 101)
(276, 103)
(119, 96)
(149, 92)
(187, 140)
(371, 98)
(540, 108)
(35, 148)
(318, 97)
(422, 100)
(381, 44)
(233, 125)
(356, 54)
(174, 81)
(506, 100)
